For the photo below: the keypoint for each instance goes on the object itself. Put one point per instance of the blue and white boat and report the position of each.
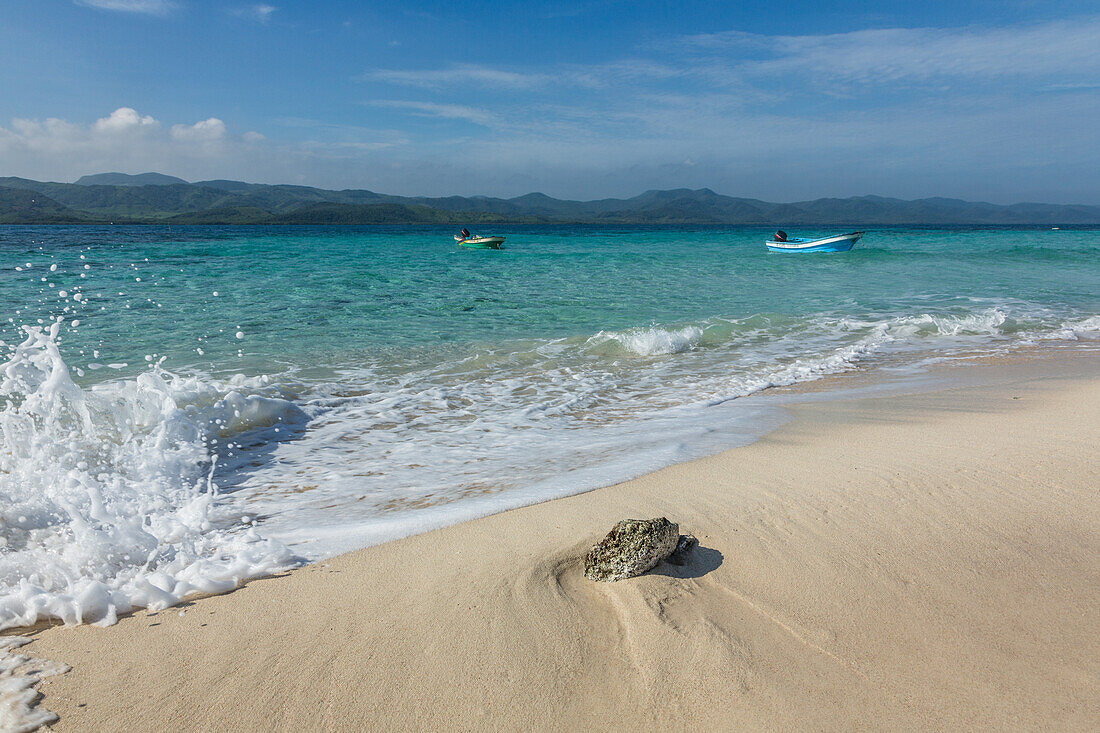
(836, 243)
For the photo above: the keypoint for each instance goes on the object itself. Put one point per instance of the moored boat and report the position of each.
(835, 243)
(479, 242)
(465, 239)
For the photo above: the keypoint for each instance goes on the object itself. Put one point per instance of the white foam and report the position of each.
(1075, 330)
(651, 341)
(107, 500)
(18, 676)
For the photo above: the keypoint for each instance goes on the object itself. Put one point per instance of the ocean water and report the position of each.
(183, 409)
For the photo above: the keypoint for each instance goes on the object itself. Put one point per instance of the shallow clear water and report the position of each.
(218, 400)
(335, 295)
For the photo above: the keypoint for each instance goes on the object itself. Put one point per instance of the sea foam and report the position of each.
(19, 674)
(108, 497)
(650, 341)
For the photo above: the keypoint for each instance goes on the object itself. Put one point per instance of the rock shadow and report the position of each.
(700, 561)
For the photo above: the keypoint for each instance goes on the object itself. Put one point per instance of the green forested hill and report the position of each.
(135, 200)
(125, 179)
(20, 206)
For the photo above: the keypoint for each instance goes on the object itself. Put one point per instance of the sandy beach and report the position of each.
(350, 350)
(925, 561)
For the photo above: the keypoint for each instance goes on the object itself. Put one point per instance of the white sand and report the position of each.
(923, 562)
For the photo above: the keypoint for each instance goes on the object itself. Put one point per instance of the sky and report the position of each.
(785, 100)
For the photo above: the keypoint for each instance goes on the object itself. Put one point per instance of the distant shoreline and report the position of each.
(226, 203)
(686, 226)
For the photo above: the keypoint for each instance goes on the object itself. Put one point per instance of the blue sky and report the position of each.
(995, 101)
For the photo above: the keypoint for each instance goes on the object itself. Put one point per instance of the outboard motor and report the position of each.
(781, 236)
(465, 233)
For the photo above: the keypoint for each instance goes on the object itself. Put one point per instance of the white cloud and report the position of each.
(263, 12)
(457, 75)
(203, 131)
(123, 140)
(894, 55)
(1064, 52)
(149, 7)
(47, 137)
(56, 149)
(446, 111)
(260, 12)
(597, 76)
(122, 119)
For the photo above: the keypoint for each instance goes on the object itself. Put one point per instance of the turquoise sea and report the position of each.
(183, 408)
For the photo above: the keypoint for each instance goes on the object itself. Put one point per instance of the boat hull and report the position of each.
(839, 243)
(481, 242)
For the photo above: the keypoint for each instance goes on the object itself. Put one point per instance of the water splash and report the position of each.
(107, 498)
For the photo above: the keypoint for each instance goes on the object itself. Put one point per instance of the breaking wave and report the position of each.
(109, 502)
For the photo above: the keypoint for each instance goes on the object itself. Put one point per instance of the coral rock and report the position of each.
(632, 547)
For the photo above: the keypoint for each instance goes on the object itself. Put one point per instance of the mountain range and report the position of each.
(150, 198)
